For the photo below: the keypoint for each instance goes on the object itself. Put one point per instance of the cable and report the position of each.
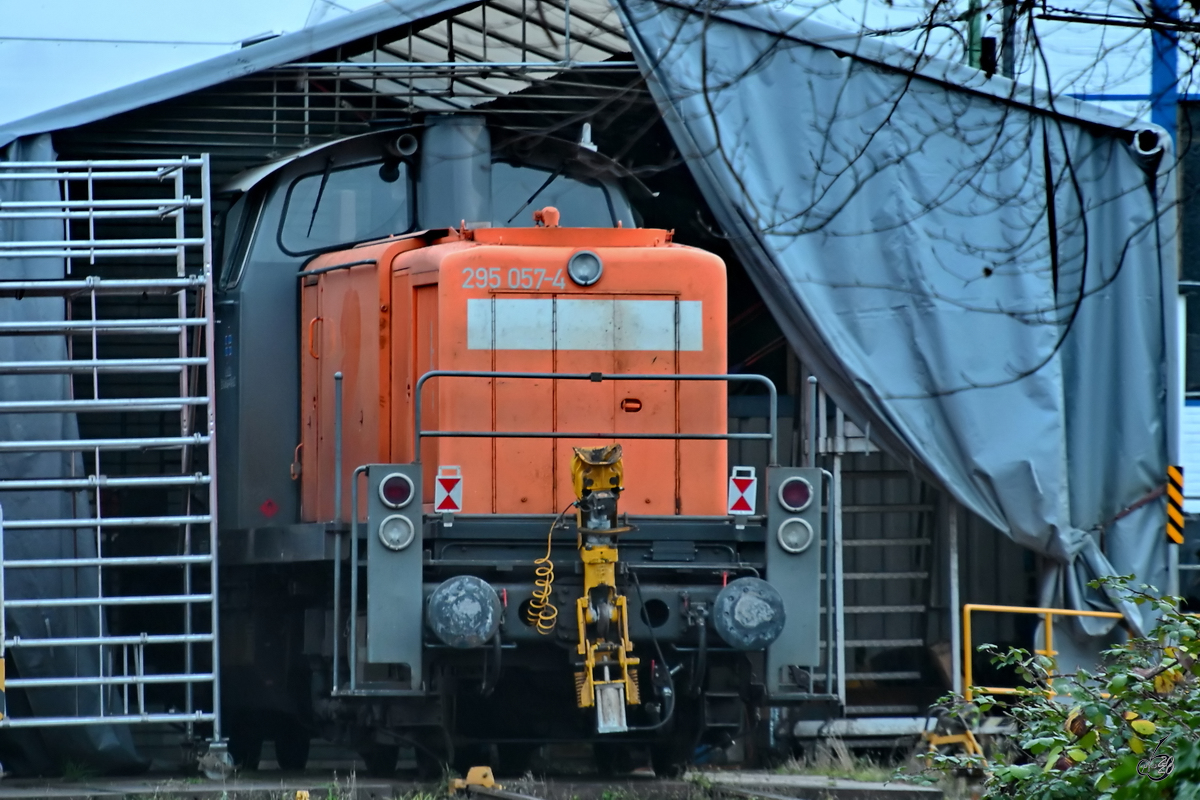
(637, 585)
(491, 674)
(542, 613)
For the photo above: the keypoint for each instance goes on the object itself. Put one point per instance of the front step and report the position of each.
(887, 726)
(723, 710)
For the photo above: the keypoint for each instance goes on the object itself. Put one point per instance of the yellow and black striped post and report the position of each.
(1175, 504)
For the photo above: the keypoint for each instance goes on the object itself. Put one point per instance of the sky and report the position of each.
(66, 50)
(1085, 60)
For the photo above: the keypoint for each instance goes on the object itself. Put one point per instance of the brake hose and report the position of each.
(542, 613)
(670, 689)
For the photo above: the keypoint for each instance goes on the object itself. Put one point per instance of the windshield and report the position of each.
(582, 205)
(354, 205)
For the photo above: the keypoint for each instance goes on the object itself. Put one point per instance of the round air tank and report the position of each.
(748, 614)
(456, 173)
(464, 612)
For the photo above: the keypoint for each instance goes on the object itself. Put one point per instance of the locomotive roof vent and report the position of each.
(456, 173)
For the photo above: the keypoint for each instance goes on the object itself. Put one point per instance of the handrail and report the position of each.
(595, 377)
(1049, 650)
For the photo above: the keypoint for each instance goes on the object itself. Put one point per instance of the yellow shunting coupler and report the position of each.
(608, 678)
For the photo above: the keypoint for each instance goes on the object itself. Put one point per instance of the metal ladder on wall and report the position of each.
(884, 577)
(108, 578)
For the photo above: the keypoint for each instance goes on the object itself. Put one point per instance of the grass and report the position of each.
(833, 759)
(527, 784)
(73, 772)
(617, 794)
(343, 789)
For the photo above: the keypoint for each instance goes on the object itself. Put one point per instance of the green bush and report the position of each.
(1131, 731)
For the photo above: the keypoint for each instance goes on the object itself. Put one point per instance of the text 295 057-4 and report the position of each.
(533, 278)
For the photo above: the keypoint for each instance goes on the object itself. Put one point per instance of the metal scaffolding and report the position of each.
(136, 585)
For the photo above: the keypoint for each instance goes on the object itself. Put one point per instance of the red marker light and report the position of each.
(396, 490)
(795, 494)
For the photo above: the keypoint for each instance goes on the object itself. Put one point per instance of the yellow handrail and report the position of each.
(1049, 650)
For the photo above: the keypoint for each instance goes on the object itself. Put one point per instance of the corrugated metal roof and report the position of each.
(167, 67)
(387, 61)
(59, 52)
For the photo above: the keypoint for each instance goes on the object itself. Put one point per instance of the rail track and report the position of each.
(342, 786)
(703, 786)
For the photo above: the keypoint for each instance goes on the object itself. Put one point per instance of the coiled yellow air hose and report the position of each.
(543, 614)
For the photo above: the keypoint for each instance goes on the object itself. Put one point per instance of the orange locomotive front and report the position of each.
(559, 503)
(502, 300)
(510, 446)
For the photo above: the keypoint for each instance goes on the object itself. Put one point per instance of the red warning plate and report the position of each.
(447, 492)
(743, 489)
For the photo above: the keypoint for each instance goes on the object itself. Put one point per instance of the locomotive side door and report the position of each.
(646, 340)
(524, 405)
(583, 342)
(304, 467)
(340, 335)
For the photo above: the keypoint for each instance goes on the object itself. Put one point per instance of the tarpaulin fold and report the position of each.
(99, 748)
(981, 275)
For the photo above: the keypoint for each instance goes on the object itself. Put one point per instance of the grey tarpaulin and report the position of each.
(103, 748)
(893, 212)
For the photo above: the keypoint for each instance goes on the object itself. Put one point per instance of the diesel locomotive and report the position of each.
(475, 490)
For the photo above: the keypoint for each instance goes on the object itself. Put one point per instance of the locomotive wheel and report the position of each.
(612, 758)
(245, 748)
(432, 763)
(291, 748)
(472, 755)
(380, 759)
(671, 755)
(512, 760)
(669, 759)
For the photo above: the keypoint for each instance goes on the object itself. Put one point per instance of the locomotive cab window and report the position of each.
(237, 230)
(582, 204)
(344, 206)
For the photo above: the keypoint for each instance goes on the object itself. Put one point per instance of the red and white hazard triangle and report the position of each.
(743, 490)
(447, 493)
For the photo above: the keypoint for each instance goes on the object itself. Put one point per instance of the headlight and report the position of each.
(396, 532)
(585, 268)
(396, 490)
(795, 494)
(795, 535)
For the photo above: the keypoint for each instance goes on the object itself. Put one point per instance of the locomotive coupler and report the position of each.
(607, 680)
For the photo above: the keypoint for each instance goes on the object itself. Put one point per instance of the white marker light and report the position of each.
(396, 532)
(585, 268)
(795, 535)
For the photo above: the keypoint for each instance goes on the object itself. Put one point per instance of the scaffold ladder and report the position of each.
(108, 579)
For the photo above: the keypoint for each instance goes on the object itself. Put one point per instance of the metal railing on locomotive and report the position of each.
(185, 326)
(771, 436)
